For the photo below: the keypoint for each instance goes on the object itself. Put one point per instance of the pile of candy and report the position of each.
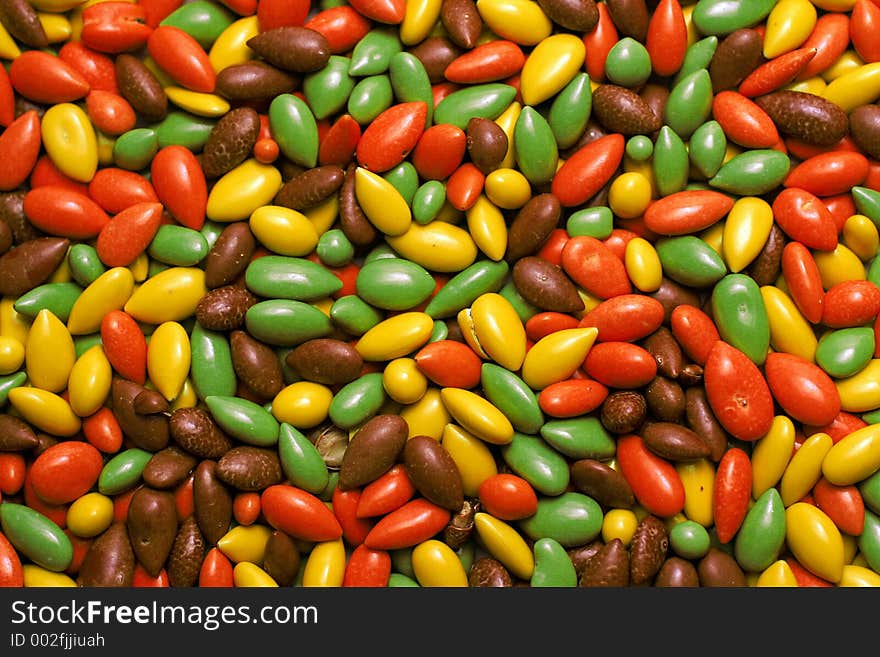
(545, 293)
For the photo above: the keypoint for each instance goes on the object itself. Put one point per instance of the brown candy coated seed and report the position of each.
(580, 556)
(331, 443)
(256, 365)
(44, 442)
(864, 128)
(546, 286)
(7, 239)
(647, 550)
(487, 143)
(194, 430)
(808, 117)
(702, 421)
(249, 468)
(311, 187)
(532, 226)
(109, 560)
(282, 559)
(212, 502)
(665, 398)
(622, 110)
(737, 55)
(574, 15)
(436, 53)
(462, 22)
(149, 432)
(224, 308)
(16, 435)
(663, 346)
(461, 525)
(230, 255)
(603, 483)
(719, 569)
(292, 48)
(31, 263)
(12, 214)
(677, 572)
(673, 442)
(671, 295)
(623, 411)
(152, 527)
(373, 449)
(487, 572)
(591, 133)
(630, 17)
(168, 467)
(140, 87)
(608, 568)
(433, 472)
(187, 554)
(352, 220)
(254, 80)
(230, 142)
(22, 21)
(691, 375)
(326, 360)
(765, 268)
(147, 402)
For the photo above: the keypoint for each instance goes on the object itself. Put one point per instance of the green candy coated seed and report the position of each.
(405, 179)
(670, 165)
(82, 343)
(553, 566)
(354, 315)
(286, 322)
(289, 277)
(410, 81)
(639, 148)
(178, 246)
(440, 331)
(844, 352)
(486, 101)
(123, 471)
(398, 581)
(535, 146)
(84, 263)
(334, 248)
(571, 519)
(762, 534)
(698, 55)
(180, 128)
(327, 90)
(211, 369)
(707, 148)
(689, 103)
(873, 272)
(867, 202)
(720, 17)
(56, 297)
(689, 539)
(372, 54)
(156, 267)
(595, 222)
(211, 231)
(300, 460)
(379, 252)
(741, 317)
(581, 437)
(37, 537)
(628, 63)
(869, 540)
(752, 173)
(539, 464)
(369, 98)
(134, 150)
(523, 308)
(462, 290)
(401, 562)
(428, 201)
(688, 260)
(294, 127)
(326, 495)
(203, 21)
(513, 397)
(466, 555)
(870, 489)
(570, 111)
(358, 401)
(8, 382)
(244, 419)
(394, 284)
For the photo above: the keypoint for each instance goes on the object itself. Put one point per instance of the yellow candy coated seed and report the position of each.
(790, 332)
(814, 540)
(396, 336)
(249, 575)
(550, 66)
(789, 24)
(12, 323)
(89, 515)
(438, 246)
(323, 215)
(556, 356)
(521, 21)
(245, 543)
(380, 201)
(110, 291)
(746, 230)
(325, 565)
(498, 330)
(507, 122)
(428, 416)
(860, 236)
(619, 523)
(8, 47)
(303, 404)
(853, 576)
(854, 457)
(168, 358)
(187, 397)
(507, 188)
(472, 456)
(814, 85)
(38, 577)
(861, 391)
(241, 191)
(771, 454)
(629, 195)
(477, 415)
(49, 352)
(505, 544)
(418, 20)
(170, 295)
(435, 564)
(643, 265)
(45, 410)
(698, 479)
(488, 228)
(56, 27)
(838, 266)
(231, 46)
(804, 469)
(777, 574)
(69, 139)
(283, 230)
(198, 103)
(11, 354)
(860, 86)
(89, 382)
(403, 381)
(848, 62)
